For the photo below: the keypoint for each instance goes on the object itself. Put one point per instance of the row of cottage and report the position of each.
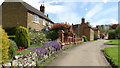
(20, 13)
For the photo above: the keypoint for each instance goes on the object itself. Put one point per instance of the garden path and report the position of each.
(86, 54)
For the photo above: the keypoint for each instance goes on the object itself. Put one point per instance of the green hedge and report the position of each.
(85, 38)
(10, 30)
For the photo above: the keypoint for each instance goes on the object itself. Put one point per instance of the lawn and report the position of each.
(113, 42)
(112, 55)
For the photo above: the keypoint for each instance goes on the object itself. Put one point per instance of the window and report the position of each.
(44, 22)
(36, 19)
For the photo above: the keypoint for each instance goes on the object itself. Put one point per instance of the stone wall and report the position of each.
(13, 14)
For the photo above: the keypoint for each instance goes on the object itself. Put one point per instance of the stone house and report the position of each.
(20, 13)
(84, 29)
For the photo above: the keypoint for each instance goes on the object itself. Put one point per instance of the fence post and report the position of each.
(62, 38)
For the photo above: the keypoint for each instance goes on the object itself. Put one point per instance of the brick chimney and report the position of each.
(42, 8)
(83, 20)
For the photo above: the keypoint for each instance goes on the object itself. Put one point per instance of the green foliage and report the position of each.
(10, 30)
(37, 37)
(4, 47)
(118, 31)
(22, 37)
(111, 34)
(95, 35)
(85, 38)
(53, 35)
(12, 49)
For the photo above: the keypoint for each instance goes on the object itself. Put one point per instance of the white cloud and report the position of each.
(113, 21)
(94, 11)
(106, 12)
(99, 22)
(54, 8)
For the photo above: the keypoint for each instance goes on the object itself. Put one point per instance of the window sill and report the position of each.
(35, 22)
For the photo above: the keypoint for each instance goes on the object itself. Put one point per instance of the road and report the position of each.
(86, 54)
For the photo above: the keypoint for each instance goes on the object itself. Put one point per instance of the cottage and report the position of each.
(20, 13)
(84, 29)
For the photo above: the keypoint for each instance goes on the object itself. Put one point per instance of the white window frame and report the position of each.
(36, 19)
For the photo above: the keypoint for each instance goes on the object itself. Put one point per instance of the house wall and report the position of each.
(14, 14)
(91, 34)
(33, 25)
(85, 30)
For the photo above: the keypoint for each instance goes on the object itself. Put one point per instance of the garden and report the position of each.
(23, 48)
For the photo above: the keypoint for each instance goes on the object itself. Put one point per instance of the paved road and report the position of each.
(87, 54)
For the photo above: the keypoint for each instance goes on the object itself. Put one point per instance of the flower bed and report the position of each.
(35, 56)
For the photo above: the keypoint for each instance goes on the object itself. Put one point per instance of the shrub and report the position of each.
(37, 37)
(5, 46)
(111, 34)
(12, 49)
(85, 38)
(10, 30)
(53, 35)
(61, 26)
(22, 38)
(118, 31)
(95, 35)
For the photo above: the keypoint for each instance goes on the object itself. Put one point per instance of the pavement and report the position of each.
(86, 54)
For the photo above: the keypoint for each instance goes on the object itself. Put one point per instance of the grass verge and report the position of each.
(112, 55)
(113, 42)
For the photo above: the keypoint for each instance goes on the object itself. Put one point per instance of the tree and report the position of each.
(111, 34)
(118, 31)
(113, 26)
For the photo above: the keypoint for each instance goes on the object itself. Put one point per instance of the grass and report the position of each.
(25, 51)
(113, 42)
(112, 55)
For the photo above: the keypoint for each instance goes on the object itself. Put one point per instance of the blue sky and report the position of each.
(96, 12)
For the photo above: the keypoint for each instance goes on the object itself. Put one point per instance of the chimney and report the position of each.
(83, 20)
(42, 8)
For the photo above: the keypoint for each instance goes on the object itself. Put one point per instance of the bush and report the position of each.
(10, 30)
(12, 49)
(85, 38)
(22, 38)
(5, 46)
(118, 32)
(37, 37)
(53, 35)
(111, 34)
(95, 35)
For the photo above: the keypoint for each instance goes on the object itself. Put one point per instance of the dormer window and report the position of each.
(36, 19)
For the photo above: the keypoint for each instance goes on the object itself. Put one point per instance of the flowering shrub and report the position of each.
(48, 49)
(37, 37)
(58, 27)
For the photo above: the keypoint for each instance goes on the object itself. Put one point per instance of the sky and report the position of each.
(97, 12)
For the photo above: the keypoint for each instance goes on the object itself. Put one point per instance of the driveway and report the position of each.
(86, 54)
